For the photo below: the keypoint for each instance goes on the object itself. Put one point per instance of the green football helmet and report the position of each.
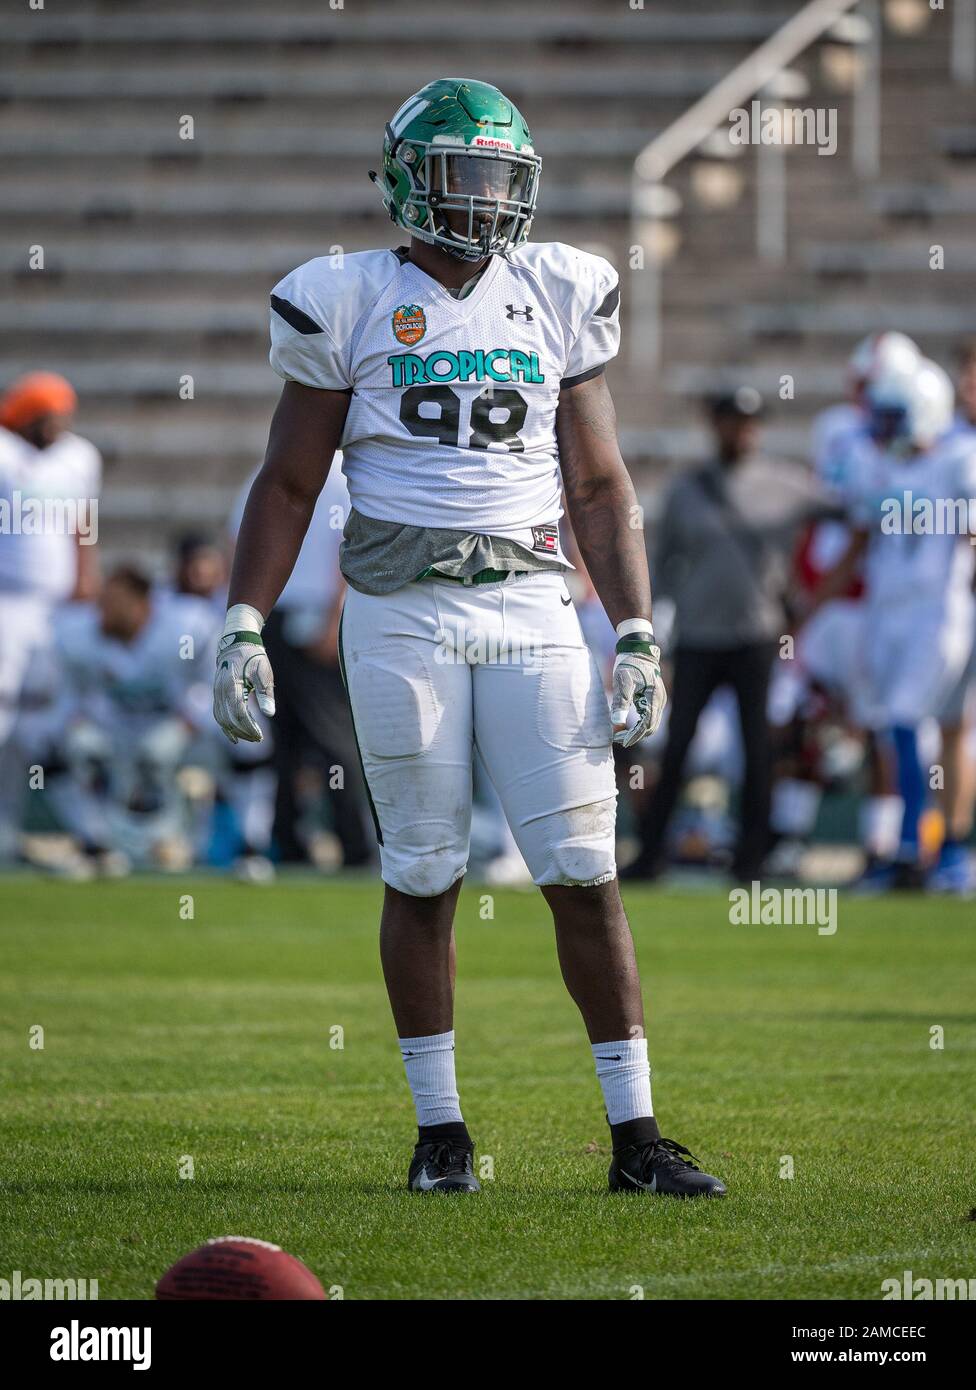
(459, 170)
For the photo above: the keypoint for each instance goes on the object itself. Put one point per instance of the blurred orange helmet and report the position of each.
(35, 395)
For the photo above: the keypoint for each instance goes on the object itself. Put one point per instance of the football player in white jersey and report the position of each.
(830, 642)
(49, 484)
(837, 430)
(915, 510)
(460, 375)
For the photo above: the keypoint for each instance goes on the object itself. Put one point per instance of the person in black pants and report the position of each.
(313, 729)
(723, 552)
(698, 673)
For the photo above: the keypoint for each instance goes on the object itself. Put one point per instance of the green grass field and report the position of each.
(211, 1038)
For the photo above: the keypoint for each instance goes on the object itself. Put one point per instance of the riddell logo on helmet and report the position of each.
(409, 324)
(490, 142)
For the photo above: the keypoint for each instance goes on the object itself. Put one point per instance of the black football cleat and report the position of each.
(657, 1165)
(443, 1165)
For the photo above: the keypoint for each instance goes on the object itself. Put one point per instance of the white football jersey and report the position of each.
(917, 512)
(47, 496)
(451, 423)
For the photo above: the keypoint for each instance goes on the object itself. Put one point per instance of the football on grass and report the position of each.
(237, 1267)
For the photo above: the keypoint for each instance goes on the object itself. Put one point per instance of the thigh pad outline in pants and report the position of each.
(910, 684)
(412, 719)
(543, 729)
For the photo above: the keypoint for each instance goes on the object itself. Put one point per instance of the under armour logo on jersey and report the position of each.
(512, 313)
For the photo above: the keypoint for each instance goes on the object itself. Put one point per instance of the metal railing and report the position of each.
(652, 202)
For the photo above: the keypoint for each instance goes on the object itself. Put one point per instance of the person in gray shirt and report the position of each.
(723, 555)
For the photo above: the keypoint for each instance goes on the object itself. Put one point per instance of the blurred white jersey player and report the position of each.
(839, 432)
(919, 563)
(829, 643)
(915, 509)
(49, 483)
(844, 448)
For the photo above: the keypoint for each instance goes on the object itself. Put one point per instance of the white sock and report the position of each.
(880, 825)
(430, 1072)
(625, 1078)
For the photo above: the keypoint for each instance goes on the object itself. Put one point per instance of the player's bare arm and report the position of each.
(305, 432)
(601, 500)
(304, 436)
(603, 509)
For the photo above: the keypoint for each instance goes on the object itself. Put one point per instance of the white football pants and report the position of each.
(915, 656)
(437, 668)
(892, 665)
(25, 639)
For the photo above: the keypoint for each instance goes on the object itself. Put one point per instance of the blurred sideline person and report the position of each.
(129, 671)
(721, 554)
(244, 792)
(243, 813)
(200, 570)
(49, 484)
(312, 727)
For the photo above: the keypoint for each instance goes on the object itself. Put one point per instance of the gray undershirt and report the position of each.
(377, 557)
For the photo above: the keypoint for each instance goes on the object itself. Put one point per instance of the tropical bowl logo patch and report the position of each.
(409, 324)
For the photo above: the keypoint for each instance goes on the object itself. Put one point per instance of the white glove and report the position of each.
(242, 666)
(637, 682)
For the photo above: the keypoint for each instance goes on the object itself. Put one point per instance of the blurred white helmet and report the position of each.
(880, 353)
(911, 408)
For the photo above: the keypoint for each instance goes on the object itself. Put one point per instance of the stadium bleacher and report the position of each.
(159, 251)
